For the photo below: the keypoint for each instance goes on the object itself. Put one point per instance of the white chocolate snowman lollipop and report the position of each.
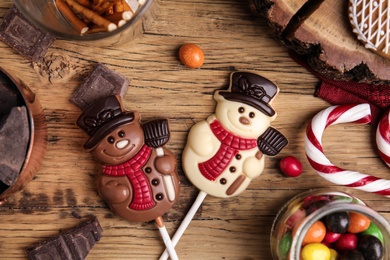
(227, 150)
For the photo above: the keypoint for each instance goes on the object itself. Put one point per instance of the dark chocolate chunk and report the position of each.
(14, 139)
(271, 142)
(9, 95)
(100, 83)
(3, 187)
(73, 244)
(156, 132)
(24, 37)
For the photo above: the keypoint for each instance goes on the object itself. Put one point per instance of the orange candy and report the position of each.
(358, 223)
(315, 234)
(191, 55)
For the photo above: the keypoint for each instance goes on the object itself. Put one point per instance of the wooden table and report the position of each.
(63, 193)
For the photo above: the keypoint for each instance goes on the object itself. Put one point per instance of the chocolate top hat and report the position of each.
(101, 118)
(251, 89)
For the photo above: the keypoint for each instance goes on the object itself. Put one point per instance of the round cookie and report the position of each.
(370, 21)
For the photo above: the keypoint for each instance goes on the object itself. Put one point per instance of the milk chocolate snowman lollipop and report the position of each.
(225, 152)
(138, 180)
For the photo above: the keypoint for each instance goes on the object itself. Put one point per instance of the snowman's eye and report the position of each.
(121, 134)
(241, 110)
(111, 139)
(251, 115)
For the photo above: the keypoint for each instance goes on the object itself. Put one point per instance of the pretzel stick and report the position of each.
(118, 6)
(119, 16)
(101, 6)
(92, 16)
(71, 16)
(96, 29)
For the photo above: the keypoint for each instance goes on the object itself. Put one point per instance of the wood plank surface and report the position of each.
(63, 192)
(321, 30)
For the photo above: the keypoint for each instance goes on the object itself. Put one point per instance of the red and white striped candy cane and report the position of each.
(359, 114)
(383, 137)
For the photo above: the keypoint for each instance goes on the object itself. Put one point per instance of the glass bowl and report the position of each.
(45, 15)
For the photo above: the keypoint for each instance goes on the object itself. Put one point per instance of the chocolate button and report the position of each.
(159, 196)
(155, 182)
(238, 156)
(232, 169)
(223, 181)
(148, 170)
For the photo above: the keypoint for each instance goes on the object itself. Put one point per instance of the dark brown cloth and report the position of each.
(338, 92)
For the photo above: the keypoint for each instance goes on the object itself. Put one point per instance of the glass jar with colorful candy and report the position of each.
(328, 225)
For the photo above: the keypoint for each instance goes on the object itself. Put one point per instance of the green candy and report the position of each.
(284, 245)
(374, 231)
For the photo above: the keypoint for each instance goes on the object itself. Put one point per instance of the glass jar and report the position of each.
(309, 207)
(45, 15)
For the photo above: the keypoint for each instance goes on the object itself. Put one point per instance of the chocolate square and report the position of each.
(74, 243)
(24, 37)
(100, 83)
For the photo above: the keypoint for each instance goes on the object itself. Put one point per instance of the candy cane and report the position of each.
(383, 137)
(359, 114)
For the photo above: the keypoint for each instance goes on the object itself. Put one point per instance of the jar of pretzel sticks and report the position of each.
(99, 22)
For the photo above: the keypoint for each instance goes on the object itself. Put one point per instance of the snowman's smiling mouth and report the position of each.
(120, 156)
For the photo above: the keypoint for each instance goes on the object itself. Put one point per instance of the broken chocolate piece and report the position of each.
(100, 83)
(9, 95)
(24, 37)
(14, 139)
(73, 244)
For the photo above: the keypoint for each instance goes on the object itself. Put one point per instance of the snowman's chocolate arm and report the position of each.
(114, 189)
(271, 142)
(235, 185)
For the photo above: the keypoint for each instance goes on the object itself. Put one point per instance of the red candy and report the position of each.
(330, 237)
(291, 166)
(294, 218)
(347, 241)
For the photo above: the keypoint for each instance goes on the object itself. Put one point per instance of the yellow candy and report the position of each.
(315, 251)
(333, 254)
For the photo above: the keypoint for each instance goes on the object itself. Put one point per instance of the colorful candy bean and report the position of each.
(191, 55)
(374, 231)
(352, 255)
(315, 251)
(291, 166)
(284, 245)
(347, 241)
(338, 222)
(333, 254)
(315, 234)
(331, 237)
(371, 247)
(358, 222)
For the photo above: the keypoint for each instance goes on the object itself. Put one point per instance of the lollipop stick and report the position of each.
(167, 240)
(186, 221)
